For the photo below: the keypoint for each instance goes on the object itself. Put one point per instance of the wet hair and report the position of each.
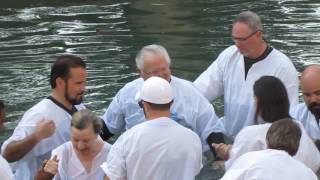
(151, 49)
(61, 67)
(251, 19)
(272, 99)
(84, 118)
(284, 135)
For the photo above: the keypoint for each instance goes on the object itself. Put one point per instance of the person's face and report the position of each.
(155, 65)
(245, 39)
(311, 94)
(83, 141)
(75, 85)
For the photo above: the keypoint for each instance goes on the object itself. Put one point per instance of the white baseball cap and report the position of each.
(155, 90)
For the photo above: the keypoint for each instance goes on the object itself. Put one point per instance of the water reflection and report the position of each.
(109, 33)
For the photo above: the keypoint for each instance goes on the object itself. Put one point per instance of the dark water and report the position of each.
(109, 33)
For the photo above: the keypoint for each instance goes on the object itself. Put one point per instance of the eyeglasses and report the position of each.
(155, 72)
(140, 104)
(239, 39)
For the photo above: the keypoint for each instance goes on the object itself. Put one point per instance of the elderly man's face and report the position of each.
(311, 93)
(155, 65)
(83, 141)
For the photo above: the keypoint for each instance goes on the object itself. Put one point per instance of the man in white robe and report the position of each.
(46, 125)
(234, 72)
(190, 108)
(308, 113)
(158, 148)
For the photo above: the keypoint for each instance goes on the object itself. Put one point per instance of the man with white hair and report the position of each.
(158, 148)
(190, 108)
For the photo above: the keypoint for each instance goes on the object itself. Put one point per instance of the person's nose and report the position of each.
(81, 145)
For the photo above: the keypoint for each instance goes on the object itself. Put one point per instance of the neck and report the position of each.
(61, 99)
(259, 50)
(158, 114)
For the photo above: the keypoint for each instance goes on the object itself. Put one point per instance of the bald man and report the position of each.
(309, 111)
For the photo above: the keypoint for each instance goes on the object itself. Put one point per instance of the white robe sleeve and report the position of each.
(114, 115)
(210, 82)
(243, 143)
(115, 167)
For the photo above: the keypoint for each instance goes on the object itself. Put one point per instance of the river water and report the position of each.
(108, 34)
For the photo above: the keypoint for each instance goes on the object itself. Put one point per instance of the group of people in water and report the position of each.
(167, 122)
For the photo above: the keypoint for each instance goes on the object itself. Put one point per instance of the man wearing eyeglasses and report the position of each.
(234, 72)
(190, 108)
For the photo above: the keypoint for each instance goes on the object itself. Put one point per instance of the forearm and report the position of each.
(16, 150)
(105, 134)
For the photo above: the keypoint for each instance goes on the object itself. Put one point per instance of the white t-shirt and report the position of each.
(46, 109)
(301, 113)
(70, 167)
(5, 170)
(226, 77)
(190, 109)
(268, 164)
(157, 149)
(253, 138)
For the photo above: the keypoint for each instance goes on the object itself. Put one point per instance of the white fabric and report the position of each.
(157, 149)
(268, 165)
(27, 167)
(301, 113)
(5, 170)
(70, 167)
(253, 138)
(226, 76)
(189, 108)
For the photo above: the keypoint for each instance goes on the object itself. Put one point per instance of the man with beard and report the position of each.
(47, 124)
(309, 111)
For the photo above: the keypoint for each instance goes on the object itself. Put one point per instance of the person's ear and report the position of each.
(60, 82)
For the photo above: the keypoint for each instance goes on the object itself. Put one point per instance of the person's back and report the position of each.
(160, 149)
(268, 164)
(252, 138)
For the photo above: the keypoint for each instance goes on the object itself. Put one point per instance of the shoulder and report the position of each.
(62, 150)
(182, 86)
(133, 84)
(178, 84)
(253, 135)
(280, 57)
(130, 88)
(299, 108)
(254, 129)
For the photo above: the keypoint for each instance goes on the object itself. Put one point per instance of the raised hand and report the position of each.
(44, 129)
